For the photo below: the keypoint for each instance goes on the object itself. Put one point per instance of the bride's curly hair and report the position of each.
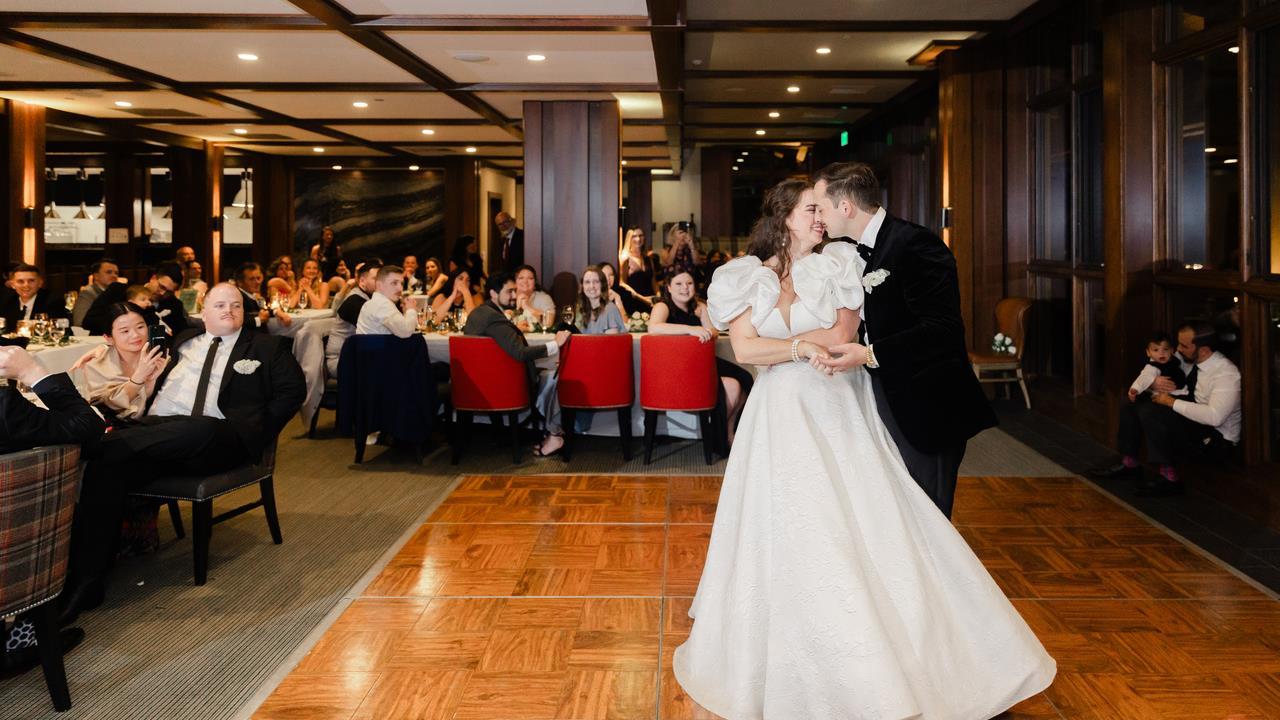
(769, 234)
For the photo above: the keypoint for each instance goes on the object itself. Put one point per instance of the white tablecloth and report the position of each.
(60, 359)
(307, 332)
(673, 424)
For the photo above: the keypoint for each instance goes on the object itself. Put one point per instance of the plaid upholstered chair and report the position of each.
(38, 491)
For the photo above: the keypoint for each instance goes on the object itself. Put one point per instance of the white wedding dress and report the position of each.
(833, 588)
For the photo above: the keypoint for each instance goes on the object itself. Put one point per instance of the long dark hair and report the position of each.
(671, 301)
(587, 312)
(119, 310)
(769, 234)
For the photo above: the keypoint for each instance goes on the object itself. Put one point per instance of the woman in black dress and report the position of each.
(636, 265)
(680, 312)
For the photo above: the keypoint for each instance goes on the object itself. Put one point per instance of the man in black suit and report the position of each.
(490, 320)
(29, 298)
(249, 281)
(164, 283)
(511, 255)
(913, 338)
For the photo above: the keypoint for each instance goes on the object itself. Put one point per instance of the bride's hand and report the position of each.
(812, 351)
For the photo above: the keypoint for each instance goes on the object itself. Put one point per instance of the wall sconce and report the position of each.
(28, 218)
(946, 217)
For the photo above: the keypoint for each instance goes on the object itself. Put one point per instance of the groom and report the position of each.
(912, 335)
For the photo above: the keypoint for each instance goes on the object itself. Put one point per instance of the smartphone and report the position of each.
(157, 337)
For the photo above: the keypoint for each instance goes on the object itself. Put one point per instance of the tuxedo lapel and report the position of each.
(884, 238)
(237, 353)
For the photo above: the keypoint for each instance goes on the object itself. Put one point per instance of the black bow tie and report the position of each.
(864, 251)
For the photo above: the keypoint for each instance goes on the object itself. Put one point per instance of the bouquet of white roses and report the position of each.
(1003, 345)
(638, 322)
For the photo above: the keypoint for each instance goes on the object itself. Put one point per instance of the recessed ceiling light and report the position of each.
(317, 149)
(470, 57)
(337, 167)
(413, 167)
(428, 131)
(471, 149)
(775, 114)
(1230, 161)
(1234, 49)
(793, 88)
(536, 57)
(760, 132)
(247, 57)
(662, 171)
(624, 162)
(240, 131)
(1211, 149)
(360, 104)
(697, 61)
(744, 152)
(824, 51)
(123, 103)
(735, 167)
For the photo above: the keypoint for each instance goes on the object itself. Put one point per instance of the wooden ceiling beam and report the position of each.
(81, 124)
(667, 36)
(841, 26)
(508, 23)
(705, 105)
(806, 74)
(249, 122)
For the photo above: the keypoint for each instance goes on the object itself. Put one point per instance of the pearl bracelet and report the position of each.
(795, 356)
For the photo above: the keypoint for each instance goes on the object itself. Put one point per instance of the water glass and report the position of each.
(61, 327)
(567, 314)
(70, 299)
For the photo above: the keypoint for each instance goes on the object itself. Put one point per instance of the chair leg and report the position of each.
(175, 514)
(201, 531)
(268, 486)
(624, 430)
(495, 425)
(514, 420)
(49, 645)
(704, 421)
(1022, 383)
(650, 432)
(567, 418)
(461, 432)
(315, 417)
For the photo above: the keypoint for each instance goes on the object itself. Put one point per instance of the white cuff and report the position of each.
(553, 349)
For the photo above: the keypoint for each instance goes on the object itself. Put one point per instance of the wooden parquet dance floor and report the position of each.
(563, 597)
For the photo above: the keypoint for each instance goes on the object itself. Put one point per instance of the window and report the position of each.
(1273, 358)
(76, 209)
(161, 201)
(1268, 215)
(1051, 348)
(1052, 148)
(1219, 308)
(1090, 173)
(1203, 162)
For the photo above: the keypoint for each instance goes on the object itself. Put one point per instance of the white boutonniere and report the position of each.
(246, 367)
(874, 278)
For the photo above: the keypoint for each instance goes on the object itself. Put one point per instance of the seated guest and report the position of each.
(68, 419)
(1160, 363)
(311, 291)
(381, 314)
(163, 284)
(349, 312)
(435, 279)
(466, 256)
(194, 274)
(531, 301)
(628, 301)
(1201, 421)
(103, 274)
(681, 312)
(412, 283)
(461, 297)
(490, 320)
(596, 315)
(257, 313)
(29, 298)
(139, 295)
(225, 394)
(185, 254)
(119, 377)
(281, 280)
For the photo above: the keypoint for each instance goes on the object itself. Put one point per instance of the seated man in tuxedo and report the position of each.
(249, 279)
(29, 298)
(366, 283)
(65, 419)
(226, 393)
(490, 320)
(102, 275)
(164, 283)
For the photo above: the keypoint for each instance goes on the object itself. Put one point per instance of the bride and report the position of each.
(833, 589)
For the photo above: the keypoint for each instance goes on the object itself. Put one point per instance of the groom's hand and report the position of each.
(846, 356)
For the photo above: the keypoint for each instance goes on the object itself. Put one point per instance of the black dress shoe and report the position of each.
(1119, 471)
(1160, 487)
(79, 599)
(17, 662)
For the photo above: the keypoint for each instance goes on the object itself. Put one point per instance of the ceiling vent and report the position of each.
(850, 90)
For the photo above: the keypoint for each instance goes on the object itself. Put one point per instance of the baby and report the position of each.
(1161, 360)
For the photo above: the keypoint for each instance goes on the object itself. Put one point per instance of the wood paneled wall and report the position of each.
(717, 194)
(22, 185)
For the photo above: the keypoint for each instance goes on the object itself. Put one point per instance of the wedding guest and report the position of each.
(681, 312)
(102, 275)
(681, 252)
(531, 300)
(327, 252)
(636, 264)
(512, 252)
(257, 313)
(281, 280)
(1160, 363)
(1199, 422)
(595, 314)
(164, 283)
(366, 284)
(184, 255)
(312, 291)
(466, 256)
(627, 300)
(461, 297)
(412, 283)
(29, 298)
(140, 295)
(121, 376)
(381, 314)
(194, 274)
(435, 279)
(490, 320)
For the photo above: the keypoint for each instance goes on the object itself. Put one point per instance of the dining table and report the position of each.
(307, 329)
(60, 358)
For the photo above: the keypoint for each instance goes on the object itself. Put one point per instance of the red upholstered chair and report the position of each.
(597, 373)
(485, 379)
(677, 372)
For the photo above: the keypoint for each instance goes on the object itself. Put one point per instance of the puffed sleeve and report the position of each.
(830, 280)
(740, 284)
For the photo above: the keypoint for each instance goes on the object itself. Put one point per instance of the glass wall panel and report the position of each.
(161, 206)
(1269, 152)
(1051, 349)
(1090, 109)
(75, 209)
(237, 213)
(1052, 150)
(1219, 308)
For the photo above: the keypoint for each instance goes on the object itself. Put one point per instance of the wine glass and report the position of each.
(69, 299)
(59, 330)
(40, 328)
(286, 303)
(302, 301)
(3, 323)
(567, 314)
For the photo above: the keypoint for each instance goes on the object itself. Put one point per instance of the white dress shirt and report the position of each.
(1145, 378)
(1217, 402)
(178, 394)
(868, 238)
(380, 316)
(26, 307)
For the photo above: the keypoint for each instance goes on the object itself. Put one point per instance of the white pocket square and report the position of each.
(246, 367)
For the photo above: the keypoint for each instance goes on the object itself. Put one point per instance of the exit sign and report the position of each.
(844, 138)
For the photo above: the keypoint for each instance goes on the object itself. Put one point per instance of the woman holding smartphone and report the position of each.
(119, 377)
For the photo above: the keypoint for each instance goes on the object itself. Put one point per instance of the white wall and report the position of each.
(492, 181)
(675, 199)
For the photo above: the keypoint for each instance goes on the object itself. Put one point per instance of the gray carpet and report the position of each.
(162, 648)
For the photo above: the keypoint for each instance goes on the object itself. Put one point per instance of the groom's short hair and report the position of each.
(854, 181)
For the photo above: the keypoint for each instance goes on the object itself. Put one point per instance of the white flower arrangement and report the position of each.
(1003, 344)
(638, 322)
(246, 367)
(874, 278)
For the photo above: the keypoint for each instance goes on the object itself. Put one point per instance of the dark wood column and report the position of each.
(717, 195)
(197, 200)
(126, 185)
(273, 209)
(462, 201)
(22, 184)
(639, 200)
(572, 185)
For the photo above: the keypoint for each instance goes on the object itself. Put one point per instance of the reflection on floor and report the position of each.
(563, 597)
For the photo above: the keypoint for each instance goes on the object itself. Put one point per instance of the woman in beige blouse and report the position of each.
(119, 377)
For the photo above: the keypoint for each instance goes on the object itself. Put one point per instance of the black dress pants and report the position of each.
(934, 472)
(1170, 437)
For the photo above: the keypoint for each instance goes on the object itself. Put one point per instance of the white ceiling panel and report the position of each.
(837, 10)
(228, 7)
(496, 7)
(413, 133)
(334, 151)
(415, 105)
(101, 103)
(20, 65)
(811, 90)
(798, 51)
(210, 55)
(225, 132)
(577, 57)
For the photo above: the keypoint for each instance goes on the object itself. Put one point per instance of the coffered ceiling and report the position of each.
(368, 77)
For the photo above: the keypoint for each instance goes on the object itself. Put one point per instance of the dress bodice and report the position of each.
(824, 283)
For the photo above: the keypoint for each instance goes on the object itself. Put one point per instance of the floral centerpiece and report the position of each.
(638, 322)
(1002, 344)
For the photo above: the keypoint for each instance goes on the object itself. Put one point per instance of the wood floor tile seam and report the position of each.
(553, 522)
(531, 597)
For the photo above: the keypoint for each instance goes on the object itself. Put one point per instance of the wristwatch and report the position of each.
(871, 358)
